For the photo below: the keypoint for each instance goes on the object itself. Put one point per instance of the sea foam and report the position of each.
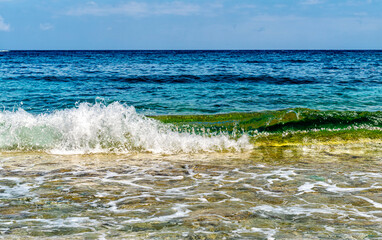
(100, 128)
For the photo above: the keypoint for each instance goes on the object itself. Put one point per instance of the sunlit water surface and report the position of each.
(315, 192)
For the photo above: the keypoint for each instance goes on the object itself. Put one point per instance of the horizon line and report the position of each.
(270, 49)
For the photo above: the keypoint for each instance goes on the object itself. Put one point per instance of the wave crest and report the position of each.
(100, 128)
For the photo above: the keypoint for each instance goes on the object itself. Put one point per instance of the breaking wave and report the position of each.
(100, 128)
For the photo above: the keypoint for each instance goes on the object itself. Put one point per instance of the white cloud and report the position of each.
(4, 26)
(92, 8)
(281, 5)
(311, 2)
(137, 9)
(360, 14)
(176, 8)
(46, 26)
(245, 6)
(308, 33)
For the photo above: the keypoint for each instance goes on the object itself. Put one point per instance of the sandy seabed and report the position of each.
(310, 192)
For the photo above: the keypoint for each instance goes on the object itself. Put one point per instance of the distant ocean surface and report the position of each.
(192, 82)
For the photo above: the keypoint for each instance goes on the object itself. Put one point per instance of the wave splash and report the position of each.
(100, 128)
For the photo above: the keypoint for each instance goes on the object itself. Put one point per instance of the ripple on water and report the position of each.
(211, 197)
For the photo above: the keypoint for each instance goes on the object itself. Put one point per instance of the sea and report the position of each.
(196, 144)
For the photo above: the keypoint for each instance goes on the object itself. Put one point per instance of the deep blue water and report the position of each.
(185, 82)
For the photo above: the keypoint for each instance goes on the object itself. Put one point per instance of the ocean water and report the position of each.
(191, 144)
(192, 82)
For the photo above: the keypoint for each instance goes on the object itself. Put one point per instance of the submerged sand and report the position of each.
(290, 192)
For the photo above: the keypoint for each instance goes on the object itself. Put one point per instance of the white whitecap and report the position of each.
(99, 128)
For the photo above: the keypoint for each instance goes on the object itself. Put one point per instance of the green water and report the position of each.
(79, 160)
(287, 174)
(297, 126)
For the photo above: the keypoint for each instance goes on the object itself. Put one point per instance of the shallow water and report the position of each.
(310, 192)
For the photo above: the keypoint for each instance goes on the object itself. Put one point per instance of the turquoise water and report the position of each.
(192, 82)
(94, 101)
(190, 145)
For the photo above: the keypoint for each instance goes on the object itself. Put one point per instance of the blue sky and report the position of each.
(192, 24)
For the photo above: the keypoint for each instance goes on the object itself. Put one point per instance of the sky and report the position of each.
(191, 24)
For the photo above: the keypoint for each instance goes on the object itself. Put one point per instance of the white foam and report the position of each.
(308, 210)
(294, 210)
(262, 190)
(375, 204)
(99, 128)
(308, 187)
(73, 222)
(19, 189)
(180, 211)
(269, 233)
